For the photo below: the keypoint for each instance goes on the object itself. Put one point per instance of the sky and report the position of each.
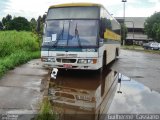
(33, 8)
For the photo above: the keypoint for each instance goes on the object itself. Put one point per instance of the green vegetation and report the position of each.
(140, 48)
(17, 23)
(152, 26)
(21, 23)
(17, 48)
(124, 32)
(46, 112)
(132, 47)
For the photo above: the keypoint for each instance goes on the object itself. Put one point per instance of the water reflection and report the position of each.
(89, 95)
(135, 98)
(83, 95)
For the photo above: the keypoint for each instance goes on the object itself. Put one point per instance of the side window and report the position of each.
(115, 27)
(105, 22)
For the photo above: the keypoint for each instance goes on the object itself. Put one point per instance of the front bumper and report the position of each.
(72, 65)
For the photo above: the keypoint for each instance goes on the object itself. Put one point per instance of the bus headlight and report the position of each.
(89, 61)
(47, 59)
(83, 61)
(44, 59)
(51, 60)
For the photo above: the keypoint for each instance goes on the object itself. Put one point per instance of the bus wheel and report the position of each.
(116, 53)
(103, 62)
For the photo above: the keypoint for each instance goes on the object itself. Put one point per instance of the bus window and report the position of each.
(72, 32)
(73, 13)
(104, 24)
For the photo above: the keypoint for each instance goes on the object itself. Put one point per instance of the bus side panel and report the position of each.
(111, 52)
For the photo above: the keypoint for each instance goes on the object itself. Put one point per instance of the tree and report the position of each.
(33, 24)
(1, 26)
(123, 32)
(20, 23)
(40, 24)
(152, 26)
(38, 27)
(6, 21)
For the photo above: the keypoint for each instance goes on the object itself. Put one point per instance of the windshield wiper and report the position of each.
(61, 34)
(77, 35)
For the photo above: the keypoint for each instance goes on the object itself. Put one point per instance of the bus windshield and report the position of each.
(73, 13)
(70, 33)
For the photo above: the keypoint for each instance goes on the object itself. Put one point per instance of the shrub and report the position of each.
(17, 48)
(11, 41)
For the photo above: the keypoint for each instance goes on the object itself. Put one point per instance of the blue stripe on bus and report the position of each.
(76, 49)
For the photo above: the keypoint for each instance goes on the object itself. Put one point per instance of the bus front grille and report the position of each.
(61, 60)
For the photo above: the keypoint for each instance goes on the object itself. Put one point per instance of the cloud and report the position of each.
(34, 8)
(3, 6)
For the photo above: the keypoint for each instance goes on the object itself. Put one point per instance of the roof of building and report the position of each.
(137, 21)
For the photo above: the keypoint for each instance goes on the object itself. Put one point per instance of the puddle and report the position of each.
(83, 94)
(89, 95)
(135, 98)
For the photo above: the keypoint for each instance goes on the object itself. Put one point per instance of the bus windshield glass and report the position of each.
(73, 13)
(70, 33)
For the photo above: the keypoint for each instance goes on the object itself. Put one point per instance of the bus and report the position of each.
(79, 36)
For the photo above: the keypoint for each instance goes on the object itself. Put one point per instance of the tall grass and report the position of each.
(46, 112)
(11, 41)
(17, 48)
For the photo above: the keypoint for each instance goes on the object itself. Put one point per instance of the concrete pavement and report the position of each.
(20, 89)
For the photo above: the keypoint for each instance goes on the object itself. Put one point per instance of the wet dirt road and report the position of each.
(79, 92)
(87, 92)
(20, 89)
(142, 67)
(88, 95)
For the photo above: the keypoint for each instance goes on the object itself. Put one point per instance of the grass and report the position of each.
(140, 48)
(17, 48)
(46, 112)
(15, 59)
(11, 41)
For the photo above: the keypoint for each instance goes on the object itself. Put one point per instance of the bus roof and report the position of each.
(74, 5)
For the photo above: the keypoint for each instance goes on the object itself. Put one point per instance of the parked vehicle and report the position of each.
(151, 45)
(73, 40)
(159, 46)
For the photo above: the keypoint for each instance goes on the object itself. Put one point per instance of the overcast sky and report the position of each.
(34, 8)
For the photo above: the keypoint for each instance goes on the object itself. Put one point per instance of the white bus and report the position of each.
(79, 36)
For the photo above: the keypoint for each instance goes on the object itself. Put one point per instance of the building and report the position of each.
(135, 27)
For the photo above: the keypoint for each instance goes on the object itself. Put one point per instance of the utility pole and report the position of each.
(124, 1)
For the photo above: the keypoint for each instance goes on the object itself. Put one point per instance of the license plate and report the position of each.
(67, 66)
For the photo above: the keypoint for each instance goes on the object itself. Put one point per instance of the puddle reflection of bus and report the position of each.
(84, 99)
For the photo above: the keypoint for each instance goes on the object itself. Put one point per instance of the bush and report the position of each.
(17, 48)
(11, 41)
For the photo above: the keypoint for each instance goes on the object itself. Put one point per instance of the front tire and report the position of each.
(103, 63)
